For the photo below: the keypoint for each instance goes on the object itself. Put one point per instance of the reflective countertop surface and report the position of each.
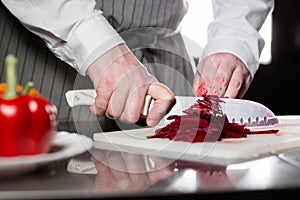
(107, 174)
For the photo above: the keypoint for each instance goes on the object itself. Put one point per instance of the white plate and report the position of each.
(64, 145)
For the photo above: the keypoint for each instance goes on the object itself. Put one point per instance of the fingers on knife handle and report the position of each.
(148, 104)
(146, 107)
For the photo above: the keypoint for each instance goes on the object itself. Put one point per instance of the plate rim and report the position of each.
(73, 143)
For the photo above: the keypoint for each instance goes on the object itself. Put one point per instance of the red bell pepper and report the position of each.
(27, 122)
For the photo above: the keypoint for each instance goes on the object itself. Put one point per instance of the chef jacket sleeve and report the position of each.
(75, 31)
(235, 30)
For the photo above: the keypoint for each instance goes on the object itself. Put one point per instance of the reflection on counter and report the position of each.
(125, 172)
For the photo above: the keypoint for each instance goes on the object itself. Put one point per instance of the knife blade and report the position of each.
(241, 111)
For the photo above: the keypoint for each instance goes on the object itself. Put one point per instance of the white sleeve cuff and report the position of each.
(87, 41)
(238, 48)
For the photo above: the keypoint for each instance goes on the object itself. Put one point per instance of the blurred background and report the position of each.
(276, 83)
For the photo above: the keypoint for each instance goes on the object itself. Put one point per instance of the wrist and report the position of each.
(97, 68)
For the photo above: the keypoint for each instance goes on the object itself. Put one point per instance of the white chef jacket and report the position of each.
(78, 33)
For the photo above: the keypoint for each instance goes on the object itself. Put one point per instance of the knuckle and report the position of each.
(108, 81)
(237, 84)
(222, 78)
(132, 117)
(112, 113)
(100, 107)
(109, 115)
(170, 97)
(100, 111)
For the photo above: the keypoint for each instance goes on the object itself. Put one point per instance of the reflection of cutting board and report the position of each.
(227, 151)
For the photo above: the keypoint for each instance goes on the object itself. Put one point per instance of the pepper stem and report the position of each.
(27, 87)
(11, 76)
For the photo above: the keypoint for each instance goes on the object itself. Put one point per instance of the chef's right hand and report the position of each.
(121, 84)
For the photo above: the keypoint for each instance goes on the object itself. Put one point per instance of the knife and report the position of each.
(241, 111)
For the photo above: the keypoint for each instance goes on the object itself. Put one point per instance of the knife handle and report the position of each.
(87, 97)
(80, 97)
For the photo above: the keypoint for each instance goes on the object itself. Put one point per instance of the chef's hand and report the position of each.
(121, 84)
(222, 74)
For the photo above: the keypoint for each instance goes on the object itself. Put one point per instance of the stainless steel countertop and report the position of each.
(266, 177)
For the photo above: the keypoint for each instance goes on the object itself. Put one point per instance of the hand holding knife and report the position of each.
(241, 111)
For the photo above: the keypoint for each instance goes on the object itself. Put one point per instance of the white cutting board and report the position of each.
(225, 152)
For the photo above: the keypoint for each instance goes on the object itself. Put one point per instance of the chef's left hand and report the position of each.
(222, 74)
